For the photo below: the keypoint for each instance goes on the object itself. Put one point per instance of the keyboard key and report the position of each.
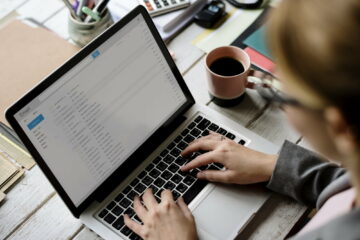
(149, 167)
(173, 168)
(181, 187)
(140, 188)
(142, 175)
(198, 119)
(169, 159)
(213, 167)
(157, 160)
(126, 231)
(175, 152)
(126, 190)
(119, 197)
(131, 195)
(180, 161)
(205, 132)
(230, 135)
(176, 195)
(194, 172)
(154, 189)
(242, 142)
(194, 191)
(185, 132)
(203, 124)
(103, 213)
(213, 127)
(221, 131)
(182, 145)
(178, 139)
(158, 194)
(189, 139)
(159, 182)
(202, 168)
(134, 182)
(191, 125)
(154, 173)
(195, 132)
(125, 203)
(219, 165)
(176, 178)
(111, 205)
(161, 166)
(136, 218)
(117, 211)
(169, 185)
(129, 212)
(188, 180)
(147, 180)
(166, 175)
(134, 236)
(118, 223)
(171, 146)
(109, 218)
(164, 153)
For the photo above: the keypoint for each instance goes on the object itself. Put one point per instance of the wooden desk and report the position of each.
(33, 210)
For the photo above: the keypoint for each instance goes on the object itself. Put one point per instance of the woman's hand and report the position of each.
(243, 165)
(167, 220)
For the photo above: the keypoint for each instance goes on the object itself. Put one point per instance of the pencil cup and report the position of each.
(82, 33)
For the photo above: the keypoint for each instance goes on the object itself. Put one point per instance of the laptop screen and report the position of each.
(95, 116)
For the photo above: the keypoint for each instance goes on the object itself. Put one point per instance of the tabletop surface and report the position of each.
(33, 210)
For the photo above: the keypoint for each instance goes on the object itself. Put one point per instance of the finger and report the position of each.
(201, 160)
(201, 144)
(139, 208)
(184, 208)
(149, 199)
(214, 175)
(134, 226)
(166, 196)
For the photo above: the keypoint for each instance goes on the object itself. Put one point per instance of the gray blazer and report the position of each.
(302, 175)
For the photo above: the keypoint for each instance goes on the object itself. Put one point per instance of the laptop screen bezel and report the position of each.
(139, 155)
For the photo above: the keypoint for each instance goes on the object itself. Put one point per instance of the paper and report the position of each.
(2, 196)
(260, 60)
(17, 153)
(7, 170)
(9, 173)
(40, 10)
(257, 41)
(236, 23)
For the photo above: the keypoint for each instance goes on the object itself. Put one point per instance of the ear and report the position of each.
(340, 130)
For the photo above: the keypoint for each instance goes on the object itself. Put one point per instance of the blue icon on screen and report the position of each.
(35, 122)
(95, 54)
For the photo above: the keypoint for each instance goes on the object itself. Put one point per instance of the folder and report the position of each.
(27, 55)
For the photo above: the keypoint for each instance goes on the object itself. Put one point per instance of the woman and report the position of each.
(317, 48)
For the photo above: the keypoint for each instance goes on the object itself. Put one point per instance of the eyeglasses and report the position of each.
(270, 89)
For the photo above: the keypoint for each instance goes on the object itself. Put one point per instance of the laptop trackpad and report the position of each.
(226, 209)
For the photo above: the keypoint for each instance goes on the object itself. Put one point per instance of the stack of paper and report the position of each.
(168, 24)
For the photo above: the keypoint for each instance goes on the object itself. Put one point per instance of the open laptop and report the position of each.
(112, 121)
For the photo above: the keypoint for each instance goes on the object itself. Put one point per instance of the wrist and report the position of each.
(269, 166)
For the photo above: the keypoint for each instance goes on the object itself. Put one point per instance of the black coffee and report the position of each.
(227, 66)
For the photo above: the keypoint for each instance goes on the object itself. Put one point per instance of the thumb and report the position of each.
(214, 175)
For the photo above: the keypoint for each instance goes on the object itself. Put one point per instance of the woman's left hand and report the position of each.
(166, 220)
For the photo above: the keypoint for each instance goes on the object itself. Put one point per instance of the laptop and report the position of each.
(112, 121)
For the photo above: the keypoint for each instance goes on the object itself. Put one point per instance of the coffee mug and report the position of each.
(227, 71)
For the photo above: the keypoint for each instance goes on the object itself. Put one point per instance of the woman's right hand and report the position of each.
(242, 165)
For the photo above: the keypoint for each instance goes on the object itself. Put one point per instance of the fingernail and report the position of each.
(199, 174)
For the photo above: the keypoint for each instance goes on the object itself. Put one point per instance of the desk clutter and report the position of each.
(40, 56)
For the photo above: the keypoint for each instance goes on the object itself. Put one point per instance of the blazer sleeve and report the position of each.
(301, 174)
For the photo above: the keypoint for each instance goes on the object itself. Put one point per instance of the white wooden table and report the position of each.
(33, 210)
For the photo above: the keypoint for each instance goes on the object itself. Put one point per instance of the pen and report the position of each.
(97, 9)
(91, 14)
(80, 6)
(72, 12)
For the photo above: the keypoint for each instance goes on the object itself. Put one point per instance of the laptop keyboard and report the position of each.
(164, 173)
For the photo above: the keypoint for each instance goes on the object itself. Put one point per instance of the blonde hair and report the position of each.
(317, 44)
